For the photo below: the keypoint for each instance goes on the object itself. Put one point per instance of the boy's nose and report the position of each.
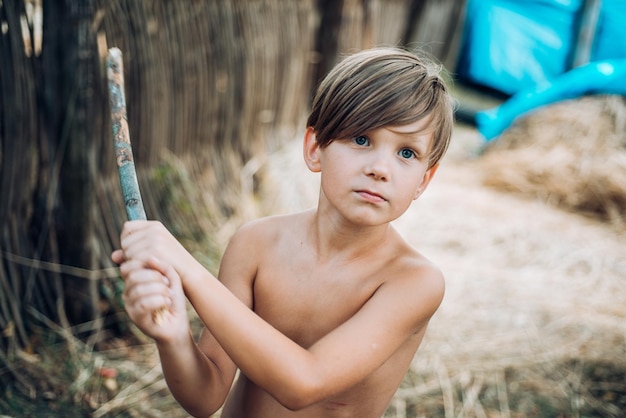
(378, 167)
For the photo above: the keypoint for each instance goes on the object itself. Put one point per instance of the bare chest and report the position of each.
(306, 301)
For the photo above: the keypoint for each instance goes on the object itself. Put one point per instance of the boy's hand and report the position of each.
(148, 287)
(145, 240)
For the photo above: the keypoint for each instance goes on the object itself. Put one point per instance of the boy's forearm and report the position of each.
(194, 380)
(245, 336)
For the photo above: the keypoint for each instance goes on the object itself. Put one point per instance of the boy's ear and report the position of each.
(311, 151)
(428, 176)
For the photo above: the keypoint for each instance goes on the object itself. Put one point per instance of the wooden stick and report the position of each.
(121, 137)
(123, 150)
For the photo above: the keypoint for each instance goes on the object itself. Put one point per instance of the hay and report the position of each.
(571, 154)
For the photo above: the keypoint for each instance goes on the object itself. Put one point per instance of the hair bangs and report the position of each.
(378, 88)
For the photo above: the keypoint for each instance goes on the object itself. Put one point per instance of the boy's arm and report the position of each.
(298, 377)
(221, 368)
(198, 375)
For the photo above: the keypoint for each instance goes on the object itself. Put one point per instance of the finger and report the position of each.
(140, 238)
(131, 233)
(135, 273)
(145, 285)
(146, 298)
(172, 279)
(133, 226)
(117, 256)
(138, 247)
(150, 294)
(129, 266)
(148, 304)
(167, 271)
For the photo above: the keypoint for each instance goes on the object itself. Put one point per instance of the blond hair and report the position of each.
(382, 87)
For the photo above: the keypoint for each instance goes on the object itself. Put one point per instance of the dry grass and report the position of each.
(571, 154)
(67, 377)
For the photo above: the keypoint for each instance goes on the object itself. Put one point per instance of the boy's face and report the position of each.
(373, 178)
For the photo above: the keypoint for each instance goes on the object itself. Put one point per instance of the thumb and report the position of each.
(173, 281)
(117, 256)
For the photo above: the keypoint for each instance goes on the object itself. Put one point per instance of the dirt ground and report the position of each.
(534, 318)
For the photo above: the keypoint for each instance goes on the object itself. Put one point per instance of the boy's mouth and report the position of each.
(371, 196)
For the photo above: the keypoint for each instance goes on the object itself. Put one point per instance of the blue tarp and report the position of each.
(510, 45)
(610, 36)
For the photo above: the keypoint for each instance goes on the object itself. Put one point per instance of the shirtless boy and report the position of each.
(321, 311)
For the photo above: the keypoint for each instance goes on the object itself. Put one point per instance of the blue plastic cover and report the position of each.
(610, 36)
(510, 45)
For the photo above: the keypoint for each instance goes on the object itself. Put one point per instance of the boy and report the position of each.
(322, 311)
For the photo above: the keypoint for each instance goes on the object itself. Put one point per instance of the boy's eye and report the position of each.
(361, 140)
(407, 153)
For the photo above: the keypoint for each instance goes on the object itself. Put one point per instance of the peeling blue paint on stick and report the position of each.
(121, 137)
(130, 192)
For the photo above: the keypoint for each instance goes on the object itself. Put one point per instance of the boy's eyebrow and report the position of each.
(421, 138)
(422, 127)
(417, 135)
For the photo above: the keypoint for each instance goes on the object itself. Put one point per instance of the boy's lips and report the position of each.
(371, 196)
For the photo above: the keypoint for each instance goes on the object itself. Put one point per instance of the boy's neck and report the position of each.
(334, 238)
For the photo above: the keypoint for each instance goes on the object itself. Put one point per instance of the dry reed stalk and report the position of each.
(399, 405)
(148, 384)
(503, 398)
(471, 402)
(446, 389)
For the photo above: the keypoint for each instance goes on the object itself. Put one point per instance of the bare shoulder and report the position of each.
(270, 228)
(260, 239)
(415, 267)
(414, 279)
